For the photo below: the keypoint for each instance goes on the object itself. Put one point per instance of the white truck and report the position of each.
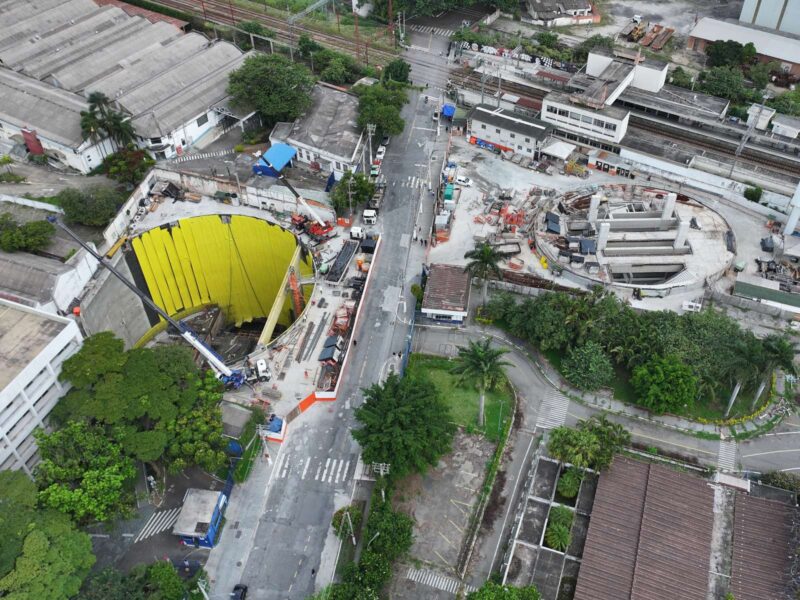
(370, 217)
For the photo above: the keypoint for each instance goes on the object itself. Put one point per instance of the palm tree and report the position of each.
(93, 127)
(483, 261)
(778, 353)
(99, 102)
(119, 128)
(481, 363)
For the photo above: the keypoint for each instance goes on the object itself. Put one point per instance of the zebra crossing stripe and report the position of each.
(435, 580)
(726, 457)
(158, 522)
(554, 410)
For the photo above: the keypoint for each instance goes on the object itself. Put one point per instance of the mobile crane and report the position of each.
(229, 377)
(318, 230)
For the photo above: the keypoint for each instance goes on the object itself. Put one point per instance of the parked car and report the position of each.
(385, 140)
(435, 114)
(465, 181)
(381, 152)
(239, 592)
(375, 170)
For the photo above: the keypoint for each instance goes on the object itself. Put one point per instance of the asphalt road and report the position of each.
(293, 551)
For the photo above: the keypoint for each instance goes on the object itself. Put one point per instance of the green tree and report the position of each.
(100, 355)
(273, 85)
(753, 193)
(52, 560)
(561, 515)
(335, 73)
(482, 365)
(404, 422)
(94, 206)
(394, 530)
(548, 39)
(307, 45)
(680, 78)
(588, 367)
(484, 261)
(255, 28)
(611, 438)
(346, 195)
(128, 165)
(726, 82)
(380, 105)
(92, 126)
(575, 446)
(32, 236)
(340, 522)
(569, 484)
(759, 73)
(725, 53)
(665, 384)
(787, 103)
(495, 591)
(156, 581)
(581, 51)
(397, 70)
(82, 473)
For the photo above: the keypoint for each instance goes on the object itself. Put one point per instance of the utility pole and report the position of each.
(358, 54)
(370, 133)
(350, 524)
(350, 195)
(203, 5)
(381, 469)
(233, 19)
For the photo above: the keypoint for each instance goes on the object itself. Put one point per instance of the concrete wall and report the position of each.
(31, 203)
(110, 306)
(69, 285)
(648, 79)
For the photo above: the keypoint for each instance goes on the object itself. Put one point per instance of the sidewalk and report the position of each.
(248, 501)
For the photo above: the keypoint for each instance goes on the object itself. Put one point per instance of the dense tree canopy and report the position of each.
(152, 402)
(404, 422)
(128, 165)
(592, 443)
(157, 581)
(729, 53)
(380, 105)
(42, 555)
(496, 591)
(95, 205)
(588, 367)
(273, 85)
(664, 384)
(32, 236)
(397, 70)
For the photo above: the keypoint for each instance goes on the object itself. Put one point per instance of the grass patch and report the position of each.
(463, 400)
(706, 435)
(251, 444)
(760, 430)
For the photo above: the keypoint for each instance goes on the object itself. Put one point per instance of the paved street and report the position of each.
(311, 475)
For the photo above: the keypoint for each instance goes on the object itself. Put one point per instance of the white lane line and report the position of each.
(333, 470)
(339, 470)
(325, 472)
(346, 471)
(305, 469)
(286, 466)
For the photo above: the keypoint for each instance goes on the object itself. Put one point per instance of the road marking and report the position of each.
(726, 457)
(319, 468)
(692, 448)
(286, 467)
(158, 522)
(333, 470)
(435, 580)
(325, 472)
(339, 471)
(305, 469)
(770, 452)
(554, 410)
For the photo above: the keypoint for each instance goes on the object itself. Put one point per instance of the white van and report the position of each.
(370, 217)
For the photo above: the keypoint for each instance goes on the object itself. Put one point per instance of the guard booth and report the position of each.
(200, 519)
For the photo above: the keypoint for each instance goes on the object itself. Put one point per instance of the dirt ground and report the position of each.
(442, 501)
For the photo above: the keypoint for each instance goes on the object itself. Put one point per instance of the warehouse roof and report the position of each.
(447, 289)
(28, 277)
(329, 125)
(649, 535)
(53, 113)
(24, 333)
(44, 20)
(138, 11)
(786, 120)
(767, 42)
(500, 117)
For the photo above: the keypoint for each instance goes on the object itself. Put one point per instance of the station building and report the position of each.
(327, 137)
(33, 346)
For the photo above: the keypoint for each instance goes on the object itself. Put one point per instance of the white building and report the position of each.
(506, 130)
(327, 137)
(581, 123)
(781, 15)
(786, 126)
(761, 115)
(33, 346)
(560, 13)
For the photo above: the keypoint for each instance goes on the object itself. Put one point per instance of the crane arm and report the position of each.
(190, 336)
(284, 181)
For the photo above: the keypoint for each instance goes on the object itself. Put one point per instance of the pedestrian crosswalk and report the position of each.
(441, 582)
(159, 521)
(726, 458)
(413, 182)
(326, 470)
(553, 411)
(200, 155)
(430, 29)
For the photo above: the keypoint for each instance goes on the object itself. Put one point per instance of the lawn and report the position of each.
(463, 399)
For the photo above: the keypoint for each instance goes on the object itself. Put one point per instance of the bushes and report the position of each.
(664, 385)
(561, 515)
(340, 522)
(588, 367)
(29, 237)
(95, 206)
(569, 484)
(128, 165)
(592, 444)
(753, 193)
(557, 537)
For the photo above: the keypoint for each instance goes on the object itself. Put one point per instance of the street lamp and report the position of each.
(236, 175)
(372, 540)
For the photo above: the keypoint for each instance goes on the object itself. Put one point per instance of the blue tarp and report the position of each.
(279, 155)
(448, 110)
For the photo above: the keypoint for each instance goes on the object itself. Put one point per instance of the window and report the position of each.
(551, 109)
(513, 135)
(528, 150)
(483, 126)
(574, 116)
(519, 147)
(155, 141)
(611, 126)
(587, 120)
(563, 113)
(599, 123)
(528, 140)
(497, 131)
(202, 120)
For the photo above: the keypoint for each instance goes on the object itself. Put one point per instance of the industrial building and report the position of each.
(33, 346)
(780, 15)
(327, 138)
(506, 131)
(172, 85)
(561, 13)
(783, 48)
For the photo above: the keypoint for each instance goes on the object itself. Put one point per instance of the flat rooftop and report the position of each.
(24, 333)
(195, 516)
(670, 99)
(612, 112)
(330, 124)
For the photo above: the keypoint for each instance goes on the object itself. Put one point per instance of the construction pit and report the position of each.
(252, 287)
(638, 240)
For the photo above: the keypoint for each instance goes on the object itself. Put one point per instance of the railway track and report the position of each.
(772, 161)
(226, 13)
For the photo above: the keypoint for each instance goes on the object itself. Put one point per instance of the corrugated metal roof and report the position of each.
(767, 43)
(649, 535)
(447, 288)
